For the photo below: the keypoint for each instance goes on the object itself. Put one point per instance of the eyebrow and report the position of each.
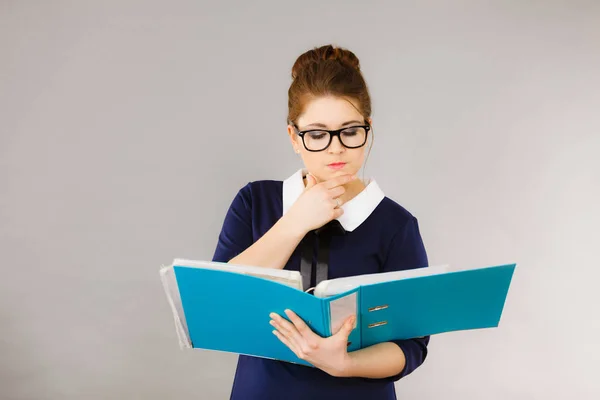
(320, 125)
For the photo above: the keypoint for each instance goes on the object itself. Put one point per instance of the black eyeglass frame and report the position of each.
(333, 133)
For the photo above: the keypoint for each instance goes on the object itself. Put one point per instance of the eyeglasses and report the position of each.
(351, 137)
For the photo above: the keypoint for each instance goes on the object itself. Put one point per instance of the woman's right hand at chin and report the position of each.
(319, 203)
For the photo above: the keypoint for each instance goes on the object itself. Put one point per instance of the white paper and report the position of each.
(167, 275)
(341, 309)
(290, 278)
(340, 285)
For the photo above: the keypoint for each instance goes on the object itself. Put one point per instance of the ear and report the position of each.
(370, 121)
(293, 138)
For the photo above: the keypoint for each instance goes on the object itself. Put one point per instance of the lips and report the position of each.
(337, 165)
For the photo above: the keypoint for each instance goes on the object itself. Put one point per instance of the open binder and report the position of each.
(225, 307)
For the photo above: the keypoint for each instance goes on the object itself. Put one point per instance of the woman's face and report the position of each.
(329, 113)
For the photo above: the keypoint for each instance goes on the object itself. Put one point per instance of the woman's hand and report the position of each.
(319, 203)
(328, 354)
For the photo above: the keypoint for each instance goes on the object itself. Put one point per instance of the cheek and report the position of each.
(311, 160)
(357, 157)
(314, 163)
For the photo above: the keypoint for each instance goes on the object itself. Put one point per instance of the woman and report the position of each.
(270, 222)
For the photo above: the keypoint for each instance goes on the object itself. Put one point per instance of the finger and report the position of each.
(310, 181)
(300, 325)
(290, 332)
(344, 332)
(339, 180)
(289, 344)
(337, 191)
(306, 341)
(347, 327)
(284, 326)
(337, 212)
(280, 328)
(337, 202)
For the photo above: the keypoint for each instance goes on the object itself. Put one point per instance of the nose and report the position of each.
(336, 146)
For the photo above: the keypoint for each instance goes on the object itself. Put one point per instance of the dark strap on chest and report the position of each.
(314, 256)
(306, 258)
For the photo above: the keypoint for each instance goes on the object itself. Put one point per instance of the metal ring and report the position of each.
(339, 202)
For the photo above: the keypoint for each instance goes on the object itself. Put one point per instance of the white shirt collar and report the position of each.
(356, 211)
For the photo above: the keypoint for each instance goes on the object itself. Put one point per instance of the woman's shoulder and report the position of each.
(260, 187)
(396, 221)
(259, 191)
(392, 211)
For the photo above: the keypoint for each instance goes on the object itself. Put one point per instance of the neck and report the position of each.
(352, 190)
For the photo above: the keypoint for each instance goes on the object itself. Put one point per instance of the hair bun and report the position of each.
(324, 53)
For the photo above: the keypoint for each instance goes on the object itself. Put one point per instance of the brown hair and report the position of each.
(327, 70)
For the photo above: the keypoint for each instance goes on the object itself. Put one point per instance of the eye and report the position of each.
(317, 135)
(351, 132)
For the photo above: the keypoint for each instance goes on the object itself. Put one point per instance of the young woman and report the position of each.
(270, 222)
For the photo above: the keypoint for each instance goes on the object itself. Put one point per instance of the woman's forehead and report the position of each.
(330, 112)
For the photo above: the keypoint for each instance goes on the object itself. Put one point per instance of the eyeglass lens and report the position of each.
(351, 137)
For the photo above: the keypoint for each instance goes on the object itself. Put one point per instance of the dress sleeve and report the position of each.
(236, 232)
(408, 252)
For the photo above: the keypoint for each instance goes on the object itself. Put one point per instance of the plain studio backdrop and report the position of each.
(127, 127)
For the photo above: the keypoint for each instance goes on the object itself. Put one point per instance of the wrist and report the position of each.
(347, 367)
(291, 227)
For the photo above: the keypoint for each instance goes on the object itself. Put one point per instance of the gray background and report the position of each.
(126, 128)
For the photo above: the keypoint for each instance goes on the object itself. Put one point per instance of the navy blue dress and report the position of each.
(381, 236)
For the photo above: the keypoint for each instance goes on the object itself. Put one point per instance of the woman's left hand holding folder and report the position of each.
(328, 354)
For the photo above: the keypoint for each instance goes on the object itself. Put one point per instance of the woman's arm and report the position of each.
(381, 360)
(274, 248)
(313, 209)
(236, 241)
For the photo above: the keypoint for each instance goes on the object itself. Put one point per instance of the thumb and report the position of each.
(310, 181)
(347, 327)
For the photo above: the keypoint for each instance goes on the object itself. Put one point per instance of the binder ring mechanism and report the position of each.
(378, 308)
(382, 307)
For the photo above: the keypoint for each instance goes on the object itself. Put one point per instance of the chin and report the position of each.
(334, 174)
(339, 172)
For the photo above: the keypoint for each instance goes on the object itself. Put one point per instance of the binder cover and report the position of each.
(223, 307)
